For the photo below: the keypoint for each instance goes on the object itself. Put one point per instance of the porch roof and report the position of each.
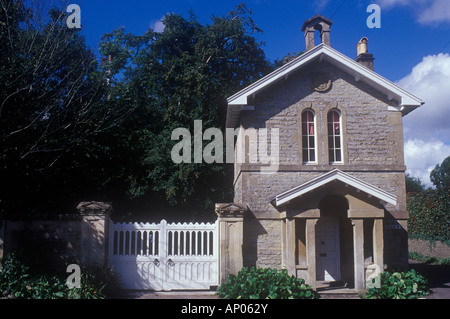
(334, 175)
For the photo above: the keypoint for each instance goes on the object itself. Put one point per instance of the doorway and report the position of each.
(334, 242)
(328, 263)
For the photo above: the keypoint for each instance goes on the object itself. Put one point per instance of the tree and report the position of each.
(414, 184)
(52, 102)
(74, 128)
(174, 77)
(286, 59)
(440, 175)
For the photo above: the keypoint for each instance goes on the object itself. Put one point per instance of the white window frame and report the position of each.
(333, 147)
(309, 162)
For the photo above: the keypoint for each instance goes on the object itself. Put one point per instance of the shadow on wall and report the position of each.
(49, 243)
(252, 230)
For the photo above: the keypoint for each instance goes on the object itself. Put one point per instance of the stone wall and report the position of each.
(372, 138)
(51, 242)
(262, 244)
(280, 106)
(430, 249)
(372, 151)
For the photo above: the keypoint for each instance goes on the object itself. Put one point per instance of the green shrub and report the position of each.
(265, 284)
(96, 283)
(18, 281)
(429, 215)
(399, 285)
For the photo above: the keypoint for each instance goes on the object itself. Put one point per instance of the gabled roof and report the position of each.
(334, 175)
(239, 101)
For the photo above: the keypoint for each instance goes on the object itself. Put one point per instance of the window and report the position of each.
(334, 137)
(308, 137)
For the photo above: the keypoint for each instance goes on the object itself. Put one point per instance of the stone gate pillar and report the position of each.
(94, 232)
(231, 238)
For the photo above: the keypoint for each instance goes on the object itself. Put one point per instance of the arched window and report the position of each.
(309, 136)
(334, 137)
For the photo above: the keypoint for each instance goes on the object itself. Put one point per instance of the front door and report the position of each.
(328, 249)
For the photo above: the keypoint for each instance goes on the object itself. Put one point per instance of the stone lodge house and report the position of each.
(335, 209)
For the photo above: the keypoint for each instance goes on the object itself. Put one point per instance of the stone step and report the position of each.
(339, 294)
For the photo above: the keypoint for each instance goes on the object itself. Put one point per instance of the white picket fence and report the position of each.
(164, 256)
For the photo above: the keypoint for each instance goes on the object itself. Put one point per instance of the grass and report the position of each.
(428, 259)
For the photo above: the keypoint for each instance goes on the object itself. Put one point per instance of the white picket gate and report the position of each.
(164, 256)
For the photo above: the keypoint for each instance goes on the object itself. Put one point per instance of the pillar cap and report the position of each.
(94, 208)
(231, 209)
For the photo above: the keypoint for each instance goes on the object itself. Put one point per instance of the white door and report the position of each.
(327, 249)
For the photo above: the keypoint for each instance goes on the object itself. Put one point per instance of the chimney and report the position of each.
(364, 57)
(319, 23)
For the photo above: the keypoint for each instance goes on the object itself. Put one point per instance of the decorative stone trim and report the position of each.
(94, 208)
(231, 210)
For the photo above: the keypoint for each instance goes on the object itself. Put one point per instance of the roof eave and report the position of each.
(407, 101)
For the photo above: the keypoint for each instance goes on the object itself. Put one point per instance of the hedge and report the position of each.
(429, 215)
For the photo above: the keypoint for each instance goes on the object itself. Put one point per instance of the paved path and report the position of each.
(438, 278)
(173, 295)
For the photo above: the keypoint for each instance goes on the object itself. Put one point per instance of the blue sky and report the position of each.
(400, 41)
(411, 48)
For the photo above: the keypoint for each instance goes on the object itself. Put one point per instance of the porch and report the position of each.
(332, 231)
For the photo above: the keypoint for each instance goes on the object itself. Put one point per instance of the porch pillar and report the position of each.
(378, 243)
(290, 246)
(311, 251)
(358, 253)
(231, 238)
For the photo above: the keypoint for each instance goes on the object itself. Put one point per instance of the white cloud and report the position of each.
(158, 25)
(438, 11)
(426, 11)
(430, 81)
(320, 4)
(427, 129)
(391, 3)
(422, 157)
